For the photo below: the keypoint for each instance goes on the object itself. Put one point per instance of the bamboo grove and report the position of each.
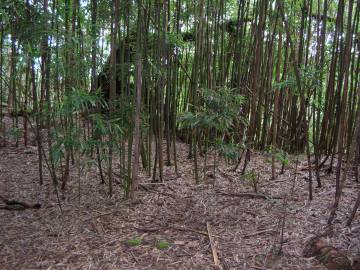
(100, 81)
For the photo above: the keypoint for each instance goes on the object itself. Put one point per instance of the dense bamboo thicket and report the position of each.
(124, 80)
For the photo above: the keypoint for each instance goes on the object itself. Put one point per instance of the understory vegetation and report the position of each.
(119, 85)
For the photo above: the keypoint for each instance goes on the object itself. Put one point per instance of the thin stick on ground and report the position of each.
(213, 247)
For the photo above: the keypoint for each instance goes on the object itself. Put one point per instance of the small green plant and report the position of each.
(134, 242)
(15, 133)
(161, 245)
(253, 178)
(279, 155)
(230, 151)
(282, 157)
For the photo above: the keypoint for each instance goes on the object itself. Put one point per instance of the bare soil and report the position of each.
(93, 230)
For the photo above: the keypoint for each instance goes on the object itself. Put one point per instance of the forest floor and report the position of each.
(93, 230)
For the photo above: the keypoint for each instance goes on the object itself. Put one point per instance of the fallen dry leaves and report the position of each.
(94, 234)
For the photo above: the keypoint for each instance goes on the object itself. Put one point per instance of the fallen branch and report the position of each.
(153, 183)
(259, 232)
(250, 195)
(147, 230)
(213, 247)
(13, 205)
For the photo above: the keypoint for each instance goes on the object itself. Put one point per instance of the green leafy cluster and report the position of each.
(219, 110)
(134, 242)
(250, 176)
(160, 244)
(67, 135)
(230, 151)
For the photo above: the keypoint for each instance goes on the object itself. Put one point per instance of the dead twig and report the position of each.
(259, 232)
(250, 195)
(213, 246)
(179, 228)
